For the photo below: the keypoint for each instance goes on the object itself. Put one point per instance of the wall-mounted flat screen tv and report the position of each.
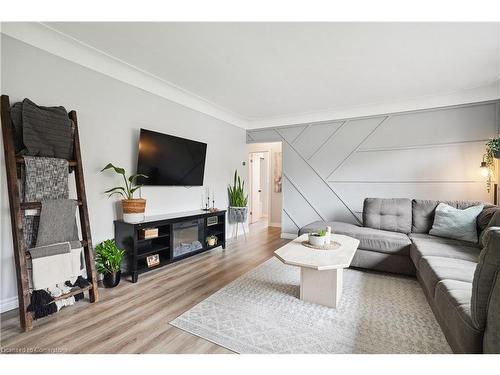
(169, 160)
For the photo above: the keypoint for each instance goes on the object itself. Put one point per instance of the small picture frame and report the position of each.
(153, 260)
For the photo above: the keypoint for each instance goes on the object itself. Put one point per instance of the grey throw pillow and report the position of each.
(454, 223)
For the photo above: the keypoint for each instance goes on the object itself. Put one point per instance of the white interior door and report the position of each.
(255, 197)
(263, 185)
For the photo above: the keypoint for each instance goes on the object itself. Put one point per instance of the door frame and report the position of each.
(250, 180)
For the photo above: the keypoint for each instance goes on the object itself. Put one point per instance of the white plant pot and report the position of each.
(237, 214)
(316, 240)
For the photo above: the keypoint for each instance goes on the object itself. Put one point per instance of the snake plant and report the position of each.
(236, 193)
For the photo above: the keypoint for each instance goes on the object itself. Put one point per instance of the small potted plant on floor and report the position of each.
(108, 261)
(133, 208)
(237, 200)
(318, 239)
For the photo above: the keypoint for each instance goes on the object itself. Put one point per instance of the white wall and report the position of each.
(110, 114)
(330, 167)
(276, 198)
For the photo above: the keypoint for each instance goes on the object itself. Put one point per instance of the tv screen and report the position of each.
(169, 160)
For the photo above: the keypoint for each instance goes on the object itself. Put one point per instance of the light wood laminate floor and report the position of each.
(134, 318)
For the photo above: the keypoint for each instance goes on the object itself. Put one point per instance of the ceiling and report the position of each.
(262, 71)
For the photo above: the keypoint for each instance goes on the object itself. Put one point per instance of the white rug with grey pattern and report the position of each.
(260, 313)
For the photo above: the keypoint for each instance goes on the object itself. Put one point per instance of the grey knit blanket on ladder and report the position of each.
(43, 179)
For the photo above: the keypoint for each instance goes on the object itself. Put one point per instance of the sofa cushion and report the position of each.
(434, 269)
(485, 276)
(381, 241)
(423, 212)
(374, 260)
(387, 214)
(494, 222)
(452, 302)
(486, 216)
(426, 245)
(369, 239)
(491, 341)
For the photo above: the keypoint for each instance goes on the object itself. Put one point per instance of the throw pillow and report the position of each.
(454, 223)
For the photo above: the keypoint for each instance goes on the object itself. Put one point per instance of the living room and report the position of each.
(254, 187)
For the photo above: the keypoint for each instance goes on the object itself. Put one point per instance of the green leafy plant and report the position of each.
(108, 257)
(236, 193)
(127, 191)
(492, 149)
(493, 146)
(320, 233)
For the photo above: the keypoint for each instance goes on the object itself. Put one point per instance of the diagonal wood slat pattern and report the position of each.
(330, 167)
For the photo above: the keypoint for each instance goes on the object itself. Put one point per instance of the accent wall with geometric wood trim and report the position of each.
(331, 166)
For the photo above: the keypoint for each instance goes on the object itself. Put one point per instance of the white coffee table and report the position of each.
(321, 271)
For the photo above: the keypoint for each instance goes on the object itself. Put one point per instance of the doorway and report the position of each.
(259, 170)
(264, 161)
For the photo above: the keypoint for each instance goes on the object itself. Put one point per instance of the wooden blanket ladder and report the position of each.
(17, 209)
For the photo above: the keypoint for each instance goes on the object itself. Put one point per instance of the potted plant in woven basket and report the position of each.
(133, 208)
(108, 260)
(238, 210)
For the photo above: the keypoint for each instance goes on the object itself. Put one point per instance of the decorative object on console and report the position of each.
(108, 261)
(206, 197)
(133, 208)
(153, 260)
(148, 233)
(212, 240)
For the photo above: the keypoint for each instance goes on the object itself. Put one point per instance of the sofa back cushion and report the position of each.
(494, 222)
(392, 214)
(423, 211)
(484, 278)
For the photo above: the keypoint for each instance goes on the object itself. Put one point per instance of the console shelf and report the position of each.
(181, 235)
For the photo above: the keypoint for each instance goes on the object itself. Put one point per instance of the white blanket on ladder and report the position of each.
(55, 264)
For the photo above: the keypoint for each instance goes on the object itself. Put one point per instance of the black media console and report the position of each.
(178, 236)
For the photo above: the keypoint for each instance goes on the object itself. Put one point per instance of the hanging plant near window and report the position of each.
(493, 147)
(488, 164)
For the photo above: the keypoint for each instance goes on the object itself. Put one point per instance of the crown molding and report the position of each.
(487, 92)
(48, 39)
(53, 41)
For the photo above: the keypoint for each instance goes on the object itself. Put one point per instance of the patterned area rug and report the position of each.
(260, 313)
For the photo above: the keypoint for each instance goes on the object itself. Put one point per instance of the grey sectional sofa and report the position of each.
(460, 279)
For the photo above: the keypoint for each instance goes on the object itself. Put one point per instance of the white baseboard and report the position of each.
(289, 236)
(8, 304)
(277, 225)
